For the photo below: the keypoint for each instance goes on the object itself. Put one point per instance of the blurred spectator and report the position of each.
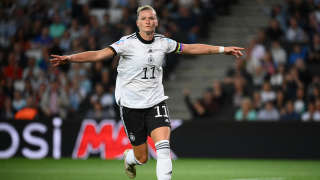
(102, 97)
(268, 64)
(268, 113)
(289, 114)
(75, 29)
(18, 101)
(292, 82)
(314, 54)
(12, 70)
(295, 34)
(218, 94)
(239, 93)
(280, 100)
(65, 41)
(203, 107)
(54, 101)
(57, 28)
(312, 114)
(273, 31)
(31, 71)
(299, 103)
(267, 94)
(277, 79)
(297, 53)
(279, 55)
(43, 39)
(187, 23)
(246, 112)
(98, 112)
(7, 112)
(257, 103)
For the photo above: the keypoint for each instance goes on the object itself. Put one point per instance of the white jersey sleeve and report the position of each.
(120, 46)
(172, 46)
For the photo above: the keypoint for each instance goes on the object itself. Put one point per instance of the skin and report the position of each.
(147, 23)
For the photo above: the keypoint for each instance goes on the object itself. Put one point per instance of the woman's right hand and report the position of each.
(59, 60)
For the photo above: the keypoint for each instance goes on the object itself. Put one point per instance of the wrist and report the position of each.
(221, 49)
(69, 58)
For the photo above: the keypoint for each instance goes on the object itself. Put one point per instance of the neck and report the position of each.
(148, 36)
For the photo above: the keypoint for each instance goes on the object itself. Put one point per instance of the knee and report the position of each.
(142, 158)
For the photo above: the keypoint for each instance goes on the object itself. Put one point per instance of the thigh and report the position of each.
(134, 125)
(156, 117)
(160, 133)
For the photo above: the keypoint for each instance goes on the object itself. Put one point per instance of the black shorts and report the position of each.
(139, 123)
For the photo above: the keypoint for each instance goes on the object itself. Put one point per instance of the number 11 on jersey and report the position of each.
(145, 70)
(158, 111)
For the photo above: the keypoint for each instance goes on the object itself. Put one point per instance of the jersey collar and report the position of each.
(143, 40)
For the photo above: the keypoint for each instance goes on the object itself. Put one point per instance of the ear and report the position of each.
(157, 22)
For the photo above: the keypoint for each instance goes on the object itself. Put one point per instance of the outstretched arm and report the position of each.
(205, 49)
(87, 56)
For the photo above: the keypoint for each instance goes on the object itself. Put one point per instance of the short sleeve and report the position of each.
(118, 47)
(173, 46)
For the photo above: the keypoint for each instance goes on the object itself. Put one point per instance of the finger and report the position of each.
(54, 60)
(55, 56)
(239, 53)
(239, 48)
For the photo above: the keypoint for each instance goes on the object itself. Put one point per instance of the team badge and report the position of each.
(150, 59)
(132, 137)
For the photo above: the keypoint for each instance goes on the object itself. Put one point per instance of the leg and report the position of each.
(136, 132)
(136, 156)
(141, 153)
(161, 136)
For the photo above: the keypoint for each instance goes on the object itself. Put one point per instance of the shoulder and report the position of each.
(130, 36)
(159, 36)
(125, 39)
(163, 38)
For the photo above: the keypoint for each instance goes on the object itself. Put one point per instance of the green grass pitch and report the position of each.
(184, 169)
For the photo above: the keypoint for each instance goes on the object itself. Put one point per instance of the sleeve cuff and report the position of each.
(113, 50)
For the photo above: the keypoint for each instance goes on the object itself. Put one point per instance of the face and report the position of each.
(147, 21)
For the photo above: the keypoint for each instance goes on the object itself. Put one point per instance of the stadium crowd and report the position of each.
(279, 79)
(32, 30)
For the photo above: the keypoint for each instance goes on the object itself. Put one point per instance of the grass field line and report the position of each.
(49, 171)
(261, 178)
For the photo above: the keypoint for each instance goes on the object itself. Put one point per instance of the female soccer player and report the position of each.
(139, 89)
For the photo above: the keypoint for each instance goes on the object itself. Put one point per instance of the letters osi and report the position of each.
(27, 136)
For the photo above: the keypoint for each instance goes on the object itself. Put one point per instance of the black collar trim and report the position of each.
(143, 40)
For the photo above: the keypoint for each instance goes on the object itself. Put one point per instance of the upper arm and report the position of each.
(105, 53)
(171, 46)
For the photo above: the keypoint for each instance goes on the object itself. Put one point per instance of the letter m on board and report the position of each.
(107, 138)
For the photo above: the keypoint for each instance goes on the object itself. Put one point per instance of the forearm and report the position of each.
(202, 49)
(87, 56)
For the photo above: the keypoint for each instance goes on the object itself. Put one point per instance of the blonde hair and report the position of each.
(145, 7)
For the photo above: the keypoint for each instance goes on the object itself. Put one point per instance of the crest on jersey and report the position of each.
(150, 59)
(132, 137)
(150, 51)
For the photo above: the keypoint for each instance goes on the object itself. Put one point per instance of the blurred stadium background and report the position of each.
(261, 111)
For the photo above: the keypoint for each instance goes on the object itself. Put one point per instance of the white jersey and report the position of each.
(139, 81)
